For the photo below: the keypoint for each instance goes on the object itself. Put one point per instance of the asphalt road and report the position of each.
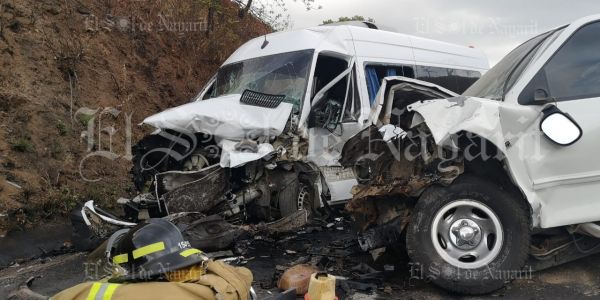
(578, 279)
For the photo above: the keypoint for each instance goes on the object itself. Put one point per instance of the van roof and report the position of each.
(340, 38)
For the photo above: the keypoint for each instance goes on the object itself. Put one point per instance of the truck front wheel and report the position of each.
(471, 237)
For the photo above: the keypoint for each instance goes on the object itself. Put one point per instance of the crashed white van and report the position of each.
(501, 177)
(263, 138)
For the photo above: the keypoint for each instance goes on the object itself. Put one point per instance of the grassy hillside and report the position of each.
(75, 74)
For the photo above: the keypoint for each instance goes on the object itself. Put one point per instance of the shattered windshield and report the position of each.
(278, 74)
(499, 79)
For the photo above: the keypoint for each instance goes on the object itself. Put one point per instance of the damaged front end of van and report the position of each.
(234, 155)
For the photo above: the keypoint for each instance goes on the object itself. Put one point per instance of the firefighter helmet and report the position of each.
(150, 250)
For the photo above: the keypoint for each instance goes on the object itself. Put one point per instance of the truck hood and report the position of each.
(445, 112)
(446, 117)
(499, 122)
(224, 117)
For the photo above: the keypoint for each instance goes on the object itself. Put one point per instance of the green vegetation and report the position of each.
(55, 150)
(62, 128)
(346, 19)
(22, 145)
(85, 119)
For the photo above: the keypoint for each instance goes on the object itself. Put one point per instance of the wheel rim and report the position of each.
(305, 198)
(467, 234)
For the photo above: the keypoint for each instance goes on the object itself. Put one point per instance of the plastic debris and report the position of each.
(297, 277)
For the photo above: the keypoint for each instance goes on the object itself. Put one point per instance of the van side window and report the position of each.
(330, 109)
(376, 73)
(574, 71)
(209, 92)
(455, 80)
(327, 69)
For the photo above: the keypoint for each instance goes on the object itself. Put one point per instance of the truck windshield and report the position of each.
(499, 79)
(278, 74)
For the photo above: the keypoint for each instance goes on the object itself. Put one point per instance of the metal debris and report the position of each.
(219, 254)
(198, 196)
(14, 184)
(289, 223)
(24, 292)
(211, 233)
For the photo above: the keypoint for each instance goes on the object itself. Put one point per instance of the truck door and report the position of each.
(567, 178)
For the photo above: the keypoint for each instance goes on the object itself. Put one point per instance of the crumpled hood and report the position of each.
(224, 117)
(497, 121)
(445, 117)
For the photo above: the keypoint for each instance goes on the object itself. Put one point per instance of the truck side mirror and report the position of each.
(560, 127)
(541, 95)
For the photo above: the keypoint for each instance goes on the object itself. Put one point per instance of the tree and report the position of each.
(346, 19)
(273, 12)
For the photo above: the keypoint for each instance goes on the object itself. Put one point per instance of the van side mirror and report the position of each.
(559, 127)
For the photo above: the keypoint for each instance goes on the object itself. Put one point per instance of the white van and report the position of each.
(268, 129)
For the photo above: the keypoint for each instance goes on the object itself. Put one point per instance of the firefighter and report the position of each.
(153, 261)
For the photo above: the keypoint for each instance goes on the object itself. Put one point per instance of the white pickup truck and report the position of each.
(484, 181)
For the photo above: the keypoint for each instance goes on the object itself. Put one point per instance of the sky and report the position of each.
(495, 27)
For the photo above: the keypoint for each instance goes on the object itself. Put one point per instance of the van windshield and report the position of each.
(499, 79)
(278, 74)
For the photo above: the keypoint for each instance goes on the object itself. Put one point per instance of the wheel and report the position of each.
(471, 237)
(296, 197)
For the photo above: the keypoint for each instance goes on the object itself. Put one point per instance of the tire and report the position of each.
(487, 224)
(296, 196)
(288, 197)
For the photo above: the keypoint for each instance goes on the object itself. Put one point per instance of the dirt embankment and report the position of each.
(77, 76)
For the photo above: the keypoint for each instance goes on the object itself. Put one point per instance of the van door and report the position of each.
(567, 178)
(332, 121)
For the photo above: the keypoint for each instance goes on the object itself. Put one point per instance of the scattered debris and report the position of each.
(14, 184)
(290, 223)
(363, 268)
(321, 287)
(219, 254)
(297, 277)
(388, 289)
(376, 253)
(24, 292)
(284, 240)
(350, 286)
(383, 235)
(211, 233)
(389, 268)
(286, 295)
(204, 232)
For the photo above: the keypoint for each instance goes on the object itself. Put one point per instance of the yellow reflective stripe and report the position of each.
(94, 290)
(120, 259)
(143, 251)
(189, 252)
(110, 290)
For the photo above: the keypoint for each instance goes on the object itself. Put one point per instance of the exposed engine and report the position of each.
(177, 172)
